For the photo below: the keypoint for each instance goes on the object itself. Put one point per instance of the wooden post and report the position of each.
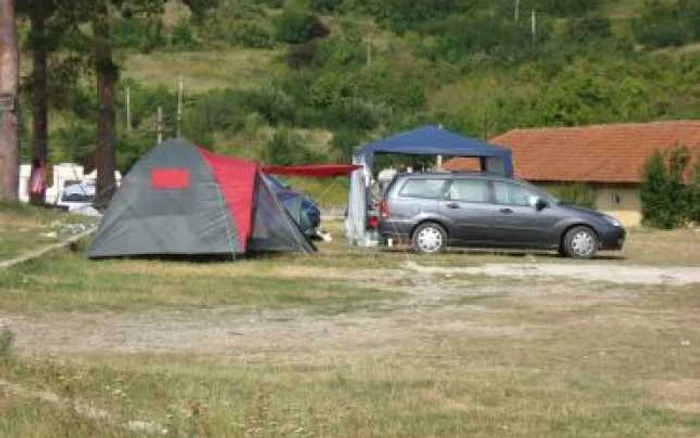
(159, 124)
(180, 92)
(369, 52)
(128, 109)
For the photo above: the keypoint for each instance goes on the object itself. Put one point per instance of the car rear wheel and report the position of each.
(429, 238)
(580, 243)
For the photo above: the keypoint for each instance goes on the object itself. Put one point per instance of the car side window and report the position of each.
(422, 188)
(469, 190)
(513, 194)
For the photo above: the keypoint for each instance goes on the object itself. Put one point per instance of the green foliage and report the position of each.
(346, 140)
(588, 28)
(7, 338)
(482, 36)
(237, 23)
(569, 8)
(326, 6)
(666, 201)
(583, 195)
(695, 193)
(298, 26)
(183, 37)
(586, 93)
(664, 24)
(286, 148)
(144, 34)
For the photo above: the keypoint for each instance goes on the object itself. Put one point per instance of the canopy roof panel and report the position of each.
(433, 140)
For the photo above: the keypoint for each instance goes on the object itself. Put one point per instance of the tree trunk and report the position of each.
(9, 103)
(39, 84)
(107, 73)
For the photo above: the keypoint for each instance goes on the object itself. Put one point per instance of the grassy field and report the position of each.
(24, 228)
(204, 70)
(347, 343)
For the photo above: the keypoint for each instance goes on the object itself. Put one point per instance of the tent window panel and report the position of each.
(170, 179)
(423, 188)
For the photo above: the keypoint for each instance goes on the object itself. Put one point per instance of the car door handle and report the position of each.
(453, 205)
(506, 210)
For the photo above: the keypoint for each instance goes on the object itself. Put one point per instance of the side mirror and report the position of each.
(541, 204)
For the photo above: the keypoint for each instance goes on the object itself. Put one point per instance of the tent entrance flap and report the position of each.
(274, 229)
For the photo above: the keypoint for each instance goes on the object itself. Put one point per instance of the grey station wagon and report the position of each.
(436, 210)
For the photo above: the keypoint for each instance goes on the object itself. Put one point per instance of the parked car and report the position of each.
(303, 209)
(436, 210)
(78, 198)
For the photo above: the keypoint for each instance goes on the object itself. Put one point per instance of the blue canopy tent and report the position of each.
(428, 140)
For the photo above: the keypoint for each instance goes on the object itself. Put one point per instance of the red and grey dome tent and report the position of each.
(183, 200)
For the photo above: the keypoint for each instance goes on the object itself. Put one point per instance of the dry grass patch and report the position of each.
(682, 395)
(203, 70)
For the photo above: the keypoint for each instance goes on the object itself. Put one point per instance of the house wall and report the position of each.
(618, 200)
(622, 202)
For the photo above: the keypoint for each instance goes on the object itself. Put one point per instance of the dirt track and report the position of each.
(430, 305)
(628, 274)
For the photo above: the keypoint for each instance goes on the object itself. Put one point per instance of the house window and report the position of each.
(615, 198)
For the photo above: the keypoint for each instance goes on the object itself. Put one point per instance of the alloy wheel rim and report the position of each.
(583, 243)
(429, 239)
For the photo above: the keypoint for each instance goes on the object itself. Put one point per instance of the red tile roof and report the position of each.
(613, 153)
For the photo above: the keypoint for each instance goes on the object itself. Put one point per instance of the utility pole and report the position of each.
(180, 92)
(128, 109)
(159, 124)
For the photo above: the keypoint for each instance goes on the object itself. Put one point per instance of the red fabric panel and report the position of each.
(236, 180)
(313, 170)
(170, 179)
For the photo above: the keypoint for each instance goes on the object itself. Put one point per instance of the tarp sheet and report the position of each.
(312, 170)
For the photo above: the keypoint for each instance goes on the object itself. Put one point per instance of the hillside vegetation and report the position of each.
(308, 80)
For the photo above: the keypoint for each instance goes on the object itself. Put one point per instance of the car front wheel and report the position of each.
(429, 238)
(580, 243)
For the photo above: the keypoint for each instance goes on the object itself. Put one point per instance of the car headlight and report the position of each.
(612, 221)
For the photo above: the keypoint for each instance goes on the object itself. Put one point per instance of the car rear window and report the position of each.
(423, 188)
(469, 190)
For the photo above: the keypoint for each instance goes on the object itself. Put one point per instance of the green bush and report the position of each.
(588, 28)
(569, 8)
(182, 36)
(297, 26)
(144, 34)
(216, 111)
(583, 195)
(666, 201)
(287, 148)
(326, 6)
(251, 34)
(237, 23)
(695, 193)
(302, 55)
(7, 338)
(664, 24)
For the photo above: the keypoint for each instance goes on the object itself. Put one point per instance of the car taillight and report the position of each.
(372, 222)
(384, 208)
